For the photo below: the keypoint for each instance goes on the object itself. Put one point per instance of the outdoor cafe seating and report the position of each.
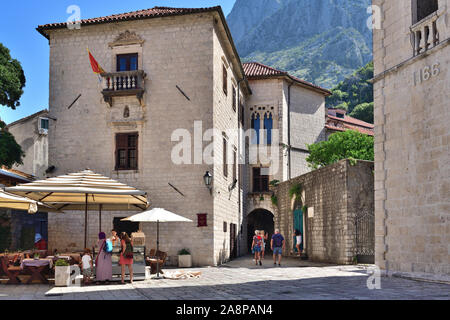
(37, 265)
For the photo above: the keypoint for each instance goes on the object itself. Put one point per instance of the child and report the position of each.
(87, 266)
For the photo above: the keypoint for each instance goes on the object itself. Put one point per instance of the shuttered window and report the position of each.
(225, 157)
(225, 80)
(260, 182)
(127, 151)
(234, 99)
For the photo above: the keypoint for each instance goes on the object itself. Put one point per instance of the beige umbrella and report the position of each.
(84, 190)
(157, 215)
(12, 201)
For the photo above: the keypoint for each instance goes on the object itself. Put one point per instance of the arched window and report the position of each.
(268, 126)
(256, 124)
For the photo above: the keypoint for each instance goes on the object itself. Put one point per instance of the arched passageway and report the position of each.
(260, 219)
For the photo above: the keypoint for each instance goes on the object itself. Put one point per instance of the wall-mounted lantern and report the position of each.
(207, 178)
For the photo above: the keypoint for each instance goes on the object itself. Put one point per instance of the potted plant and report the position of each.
(62, 273)
(184, 259)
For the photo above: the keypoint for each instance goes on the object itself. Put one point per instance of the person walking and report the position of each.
(103, 263)
(264, 236)
(277, 244)
(256, 247)
(298, 241)
(126, 255)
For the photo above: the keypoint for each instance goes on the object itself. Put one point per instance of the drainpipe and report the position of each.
(289, 130)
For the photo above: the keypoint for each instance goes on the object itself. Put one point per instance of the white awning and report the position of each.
(12, 201)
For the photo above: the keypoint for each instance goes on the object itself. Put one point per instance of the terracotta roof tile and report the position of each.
(256, 70)
(353, 121)
(133, 15)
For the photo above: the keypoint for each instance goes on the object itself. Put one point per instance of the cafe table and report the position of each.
(37, 268)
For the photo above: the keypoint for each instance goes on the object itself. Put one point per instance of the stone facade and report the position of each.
(33, 142)
(412, 171)
(183, 58)
(335, 195)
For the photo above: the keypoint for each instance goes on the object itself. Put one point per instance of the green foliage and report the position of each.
(364, 112)
(274, 183)
(296, 190)
(184, 252)
(305, 209)
(62, 263)
(341, 145)
(355, 91)
(274, 200)
(12, 79)
(10, 151)
(261, 198)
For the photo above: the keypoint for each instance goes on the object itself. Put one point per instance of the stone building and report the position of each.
(32, 134)
(333, 208)
(338, 121)
(412, 171)
(172, 74)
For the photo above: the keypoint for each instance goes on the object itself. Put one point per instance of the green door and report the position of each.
(298, 225)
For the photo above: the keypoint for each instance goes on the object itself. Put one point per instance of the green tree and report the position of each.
(10, 152)
(364, 112)
(354, 90)
(349, 144)
(12, 79)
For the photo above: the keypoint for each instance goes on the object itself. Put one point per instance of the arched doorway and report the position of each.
(259, 219)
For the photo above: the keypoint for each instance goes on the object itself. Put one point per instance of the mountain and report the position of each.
(322, 41)
(355, 94)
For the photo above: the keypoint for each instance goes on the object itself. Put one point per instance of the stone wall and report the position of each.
(334, 196)
(412, 171)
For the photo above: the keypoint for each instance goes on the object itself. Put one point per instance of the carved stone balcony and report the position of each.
(124, 83)
(425, 34)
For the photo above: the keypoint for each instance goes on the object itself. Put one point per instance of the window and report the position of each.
(127, 62)
(260, 182)
(224, 226)
(225, 80)
(225, 157)
(126, 151)
(43, 126)
(234, 99)
(423, 8)
(201, 220)
(268, 126)
(256, 123)
(241, 108)
(234, 165)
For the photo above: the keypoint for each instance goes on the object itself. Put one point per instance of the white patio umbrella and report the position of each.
(84, 190)
(157, 215)
(12, 201)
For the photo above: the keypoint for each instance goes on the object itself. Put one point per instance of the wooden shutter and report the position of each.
(234, 99)
(225, 156)
(121, 144)
(225, 80)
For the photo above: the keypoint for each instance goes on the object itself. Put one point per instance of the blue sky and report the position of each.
(19, 20)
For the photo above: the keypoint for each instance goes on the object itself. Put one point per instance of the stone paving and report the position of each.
(241, 279)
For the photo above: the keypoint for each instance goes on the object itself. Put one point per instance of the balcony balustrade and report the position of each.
(124, 83)
(425, 34)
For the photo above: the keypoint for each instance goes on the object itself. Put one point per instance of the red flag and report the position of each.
(96, 68)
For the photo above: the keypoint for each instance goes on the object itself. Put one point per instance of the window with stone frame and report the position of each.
(127, 151)
(127, 62)
(234, 165)
(260, 181)
(225, 157)
(225, 80)
(202, 220)
(234, 99)
(423, 8)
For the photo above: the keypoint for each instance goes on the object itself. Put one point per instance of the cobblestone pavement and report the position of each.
(241, 279)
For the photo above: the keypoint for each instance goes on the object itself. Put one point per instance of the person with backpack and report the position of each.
(256, 247)
(126, 255)
(103, 264)
(277, 244)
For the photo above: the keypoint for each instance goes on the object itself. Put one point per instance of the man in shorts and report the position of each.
(277, 244)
